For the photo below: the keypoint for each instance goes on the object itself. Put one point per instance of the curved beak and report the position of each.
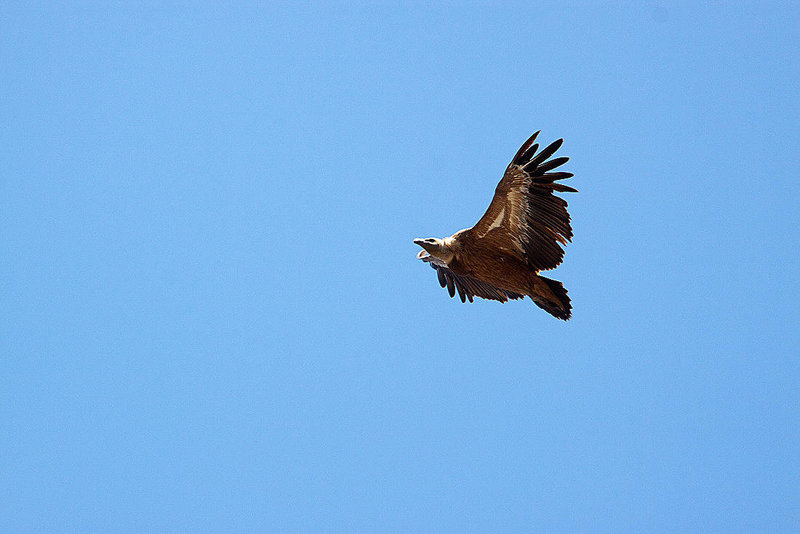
(423, 244)
(426, 247)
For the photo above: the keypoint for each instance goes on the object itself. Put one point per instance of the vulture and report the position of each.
(520, 235)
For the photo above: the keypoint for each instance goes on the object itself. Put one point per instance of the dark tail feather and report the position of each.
(562, 308)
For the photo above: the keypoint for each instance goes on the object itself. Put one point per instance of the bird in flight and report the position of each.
(520, 235)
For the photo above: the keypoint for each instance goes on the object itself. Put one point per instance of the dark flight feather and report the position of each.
(550, 165)
(467, 286)
(526, 151)
(532, 165)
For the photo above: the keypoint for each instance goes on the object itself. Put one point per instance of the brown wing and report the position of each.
(467, 287)
(525, 217)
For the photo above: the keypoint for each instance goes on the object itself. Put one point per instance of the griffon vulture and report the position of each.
(519, 235)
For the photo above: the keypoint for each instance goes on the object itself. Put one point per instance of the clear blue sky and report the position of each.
(212, 318)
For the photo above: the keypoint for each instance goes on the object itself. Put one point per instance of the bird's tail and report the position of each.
(551, 296)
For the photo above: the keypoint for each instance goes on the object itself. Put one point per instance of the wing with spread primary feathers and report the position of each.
(525, 217)
(467, 287)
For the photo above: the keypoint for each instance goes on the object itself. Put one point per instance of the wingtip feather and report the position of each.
(523, 151)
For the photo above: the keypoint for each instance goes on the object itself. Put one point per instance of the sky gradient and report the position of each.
(211, 314)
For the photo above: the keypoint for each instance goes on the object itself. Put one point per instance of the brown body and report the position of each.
(519, 235)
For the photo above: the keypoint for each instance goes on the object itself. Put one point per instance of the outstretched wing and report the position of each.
(467, 287)
(525, 217)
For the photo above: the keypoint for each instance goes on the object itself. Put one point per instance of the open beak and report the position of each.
(423, 244)
(424, 252)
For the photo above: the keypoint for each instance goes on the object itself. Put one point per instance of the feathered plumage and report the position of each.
(521, 233)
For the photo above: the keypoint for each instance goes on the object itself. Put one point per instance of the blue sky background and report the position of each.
(213, 320)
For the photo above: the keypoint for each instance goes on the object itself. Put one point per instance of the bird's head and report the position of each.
(434, 246)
